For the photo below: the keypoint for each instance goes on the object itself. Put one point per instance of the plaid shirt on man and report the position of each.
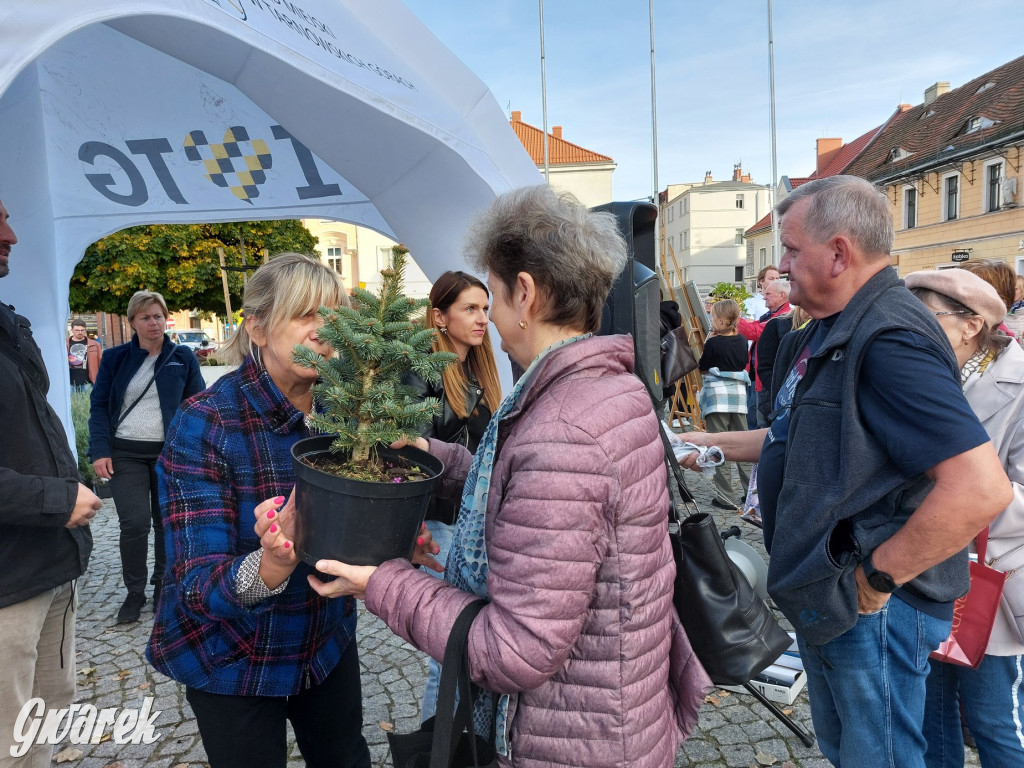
(227, 450)
(723, 392)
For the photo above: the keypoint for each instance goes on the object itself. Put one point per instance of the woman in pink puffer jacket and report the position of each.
(563, 526)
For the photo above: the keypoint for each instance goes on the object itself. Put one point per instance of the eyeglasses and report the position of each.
(952, 312)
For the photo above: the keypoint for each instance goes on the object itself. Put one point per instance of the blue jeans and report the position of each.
(867, 688)
(992, 697)
(442, 534)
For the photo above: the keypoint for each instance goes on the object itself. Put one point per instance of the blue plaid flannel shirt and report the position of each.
(227, 450)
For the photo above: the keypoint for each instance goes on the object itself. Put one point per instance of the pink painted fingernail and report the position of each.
(270, 514)
(279, 500)
(273, 529)
(419, 540)
(287, 544)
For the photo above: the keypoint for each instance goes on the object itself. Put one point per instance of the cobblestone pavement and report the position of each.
(734, 730)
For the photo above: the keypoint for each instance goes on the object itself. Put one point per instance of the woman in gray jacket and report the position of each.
(563, 520)
(992, 371)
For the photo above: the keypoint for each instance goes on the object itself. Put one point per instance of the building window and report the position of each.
(909, 207)
(739, 237)
(672, 244)
(671, 212)
(739, 201)
(335, 259)
(383, 257)
(738, 275)
(993, 187)
(685, 205)
(951, 194)
(761, 256)
(684, 239)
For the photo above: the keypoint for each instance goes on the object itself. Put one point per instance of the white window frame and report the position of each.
(671, 213)
(740, 202)
(383, 257)
(917, 206)
(335, 257)
(738, 240)
(945, 196)
(985, 207)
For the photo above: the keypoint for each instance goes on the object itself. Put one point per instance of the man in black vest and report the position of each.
(45, 539)
(874, 476)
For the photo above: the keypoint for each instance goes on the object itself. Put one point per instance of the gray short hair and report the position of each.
(845, 205)
(573, 255)
(779, 285)
(142, 299)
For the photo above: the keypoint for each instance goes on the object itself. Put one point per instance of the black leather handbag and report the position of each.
(448, 740)
(732, 631)
(677, 358)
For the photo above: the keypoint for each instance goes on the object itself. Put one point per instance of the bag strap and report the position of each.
(982, 544)
(454, 668)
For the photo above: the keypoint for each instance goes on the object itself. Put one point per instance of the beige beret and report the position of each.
(963, 286)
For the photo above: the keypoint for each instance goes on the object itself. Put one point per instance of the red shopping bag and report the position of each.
(974, 614)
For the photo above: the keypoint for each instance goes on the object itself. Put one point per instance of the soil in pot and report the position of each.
(357, 521)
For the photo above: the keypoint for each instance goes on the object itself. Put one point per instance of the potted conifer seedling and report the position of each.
(356, 499)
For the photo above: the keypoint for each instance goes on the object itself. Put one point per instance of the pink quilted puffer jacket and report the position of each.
(580, 622)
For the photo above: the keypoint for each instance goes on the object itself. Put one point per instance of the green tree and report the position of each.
(360, 390)
(178, 260)
(732, 291)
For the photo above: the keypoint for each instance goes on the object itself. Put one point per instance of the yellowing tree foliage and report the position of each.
(178, 260)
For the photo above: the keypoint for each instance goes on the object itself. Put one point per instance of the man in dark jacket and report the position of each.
(45, 543)
(874, 476)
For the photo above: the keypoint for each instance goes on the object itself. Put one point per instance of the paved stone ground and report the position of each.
(734, 730)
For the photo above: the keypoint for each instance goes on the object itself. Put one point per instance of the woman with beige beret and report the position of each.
(992, 374)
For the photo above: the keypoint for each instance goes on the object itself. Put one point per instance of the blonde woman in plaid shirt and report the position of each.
(723, 398)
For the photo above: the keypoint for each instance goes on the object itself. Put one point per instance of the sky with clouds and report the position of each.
(841, 69)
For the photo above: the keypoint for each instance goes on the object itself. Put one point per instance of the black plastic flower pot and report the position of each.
(355, 521)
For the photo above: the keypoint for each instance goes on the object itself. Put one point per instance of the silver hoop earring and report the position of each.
(443, 329)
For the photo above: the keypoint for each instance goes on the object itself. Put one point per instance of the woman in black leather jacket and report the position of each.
(469, 393)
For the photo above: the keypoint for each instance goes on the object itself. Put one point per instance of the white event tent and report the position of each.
(116, 113)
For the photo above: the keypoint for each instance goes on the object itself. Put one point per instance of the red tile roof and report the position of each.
(932, 134)
(560, 151)
(846, 155)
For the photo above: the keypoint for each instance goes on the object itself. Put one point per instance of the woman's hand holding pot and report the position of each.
(274, 519)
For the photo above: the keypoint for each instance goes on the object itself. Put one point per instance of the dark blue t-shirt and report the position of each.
(908, 398)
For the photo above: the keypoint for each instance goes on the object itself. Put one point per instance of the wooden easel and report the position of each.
(683, 403)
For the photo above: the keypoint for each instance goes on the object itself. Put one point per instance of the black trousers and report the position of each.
(134, 488)
(250, 732)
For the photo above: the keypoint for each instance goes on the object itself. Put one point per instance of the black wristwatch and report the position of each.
(880, 581)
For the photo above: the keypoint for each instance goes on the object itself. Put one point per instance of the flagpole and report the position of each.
(544, 92)
(656, 198)
(776, 253)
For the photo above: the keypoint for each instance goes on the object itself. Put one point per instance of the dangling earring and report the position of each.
(443, 329)
(522, 324)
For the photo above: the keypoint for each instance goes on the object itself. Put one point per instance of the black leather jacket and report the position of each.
(38, 474)
(451, 429)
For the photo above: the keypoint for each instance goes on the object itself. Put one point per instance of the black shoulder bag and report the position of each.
(448, 740)
(732, 630)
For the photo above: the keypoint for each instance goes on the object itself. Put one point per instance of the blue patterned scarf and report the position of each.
(467, 559)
